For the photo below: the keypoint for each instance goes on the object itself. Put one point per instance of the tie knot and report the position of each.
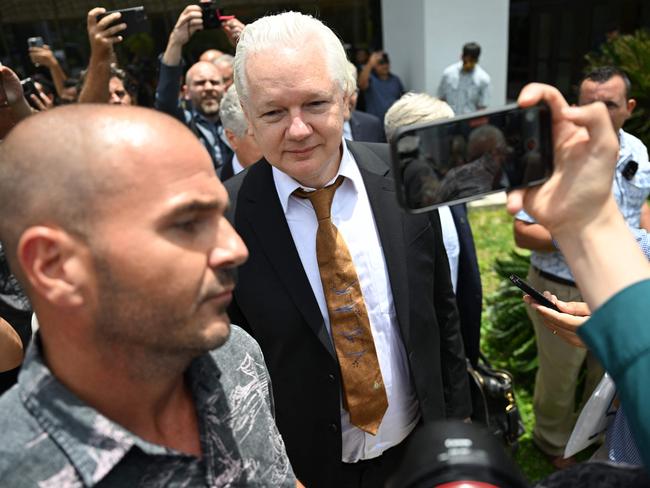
(321, 199)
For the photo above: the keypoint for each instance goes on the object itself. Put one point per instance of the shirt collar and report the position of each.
(236, 165)
(93, 443)
(286, 185)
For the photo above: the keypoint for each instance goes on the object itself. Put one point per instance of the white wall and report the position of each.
(423, 37)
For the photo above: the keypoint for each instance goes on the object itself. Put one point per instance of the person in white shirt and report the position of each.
(465, 86)
(241, 140)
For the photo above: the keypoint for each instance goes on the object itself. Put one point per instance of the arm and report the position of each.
(102, 36)
(364, 76)
(11, 347)
(44, 56)
(577, 206)
(171, 63)
(13, 106)
(533, 236)
(645, 216)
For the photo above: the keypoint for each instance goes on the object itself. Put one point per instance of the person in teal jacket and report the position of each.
(577, 206)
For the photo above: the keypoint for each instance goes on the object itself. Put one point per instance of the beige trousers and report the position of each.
(559, 367)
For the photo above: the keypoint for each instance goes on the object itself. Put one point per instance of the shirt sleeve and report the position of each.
(619, 334)
(168, 90)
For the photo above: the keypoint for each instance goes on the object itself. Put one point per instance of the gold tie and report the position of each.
(364, 395)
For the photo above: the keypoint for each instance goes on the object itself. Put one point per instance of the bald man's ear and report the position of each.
(55, 264)
(184, 94)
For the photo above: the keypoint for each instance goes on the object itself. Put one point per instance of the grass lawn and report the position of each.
(492, 229)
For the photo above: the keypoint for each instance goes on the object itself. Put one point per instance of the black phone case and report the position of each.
(537, 296)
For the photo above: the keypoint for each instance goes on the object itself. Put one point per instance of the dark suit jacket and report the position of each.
(366, 127)
(469, 293)
(227, 170)
(275, 303)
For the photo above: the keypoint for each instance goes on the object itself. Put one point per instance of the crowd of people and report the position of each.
(223, 290)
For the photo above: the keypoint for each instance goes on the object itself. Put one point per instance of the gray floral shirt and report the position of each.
(50, 438)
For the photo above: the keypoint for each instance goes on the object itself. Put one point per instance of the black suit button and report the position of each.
(331, 377)
(334, 428)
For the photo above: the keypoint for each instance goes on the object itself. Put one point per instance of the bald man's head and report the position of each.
(205, 88)
(63, 167)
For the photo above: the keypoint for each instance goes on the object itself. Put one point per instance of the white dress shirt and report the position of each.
(236, 165)
(352, 215)
(450, 239)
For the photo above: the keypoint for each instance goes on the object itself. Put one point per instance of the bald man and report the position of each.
(136, 375)
(204, 88)
(211, 55)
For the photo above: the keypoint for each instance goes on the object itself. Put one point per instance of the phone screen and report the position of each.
(461, 159)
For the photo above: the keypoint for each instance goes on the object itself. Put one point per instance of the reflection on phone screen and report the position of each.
(463, 159)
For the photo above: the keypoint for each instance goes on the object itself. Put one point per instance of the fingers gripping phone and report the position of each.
(536, 295)
(135, 19)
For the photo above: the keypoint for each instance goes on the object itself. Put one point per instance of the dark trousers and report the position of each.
(373, 473)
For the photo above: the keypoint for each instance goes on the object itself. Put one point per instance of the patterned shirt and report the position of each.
(630, 194)
(465, 92)
(50, 438)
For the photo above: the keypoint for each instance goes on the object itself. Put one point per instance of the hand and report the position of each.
(12, 91)
(374, 58)
(233, 29)
(585, 145)
(189, 21)
(42, 56)
(565, 324)
(40, 101)
(102, 34)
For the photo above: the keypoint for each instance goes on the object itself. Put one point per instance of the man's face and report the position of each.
(382, 69)
(469, 63)
(205, 88)
(164, 254)
(296, 111)
(245, 147)
(226, 70)
(117, 93)
(612, 94)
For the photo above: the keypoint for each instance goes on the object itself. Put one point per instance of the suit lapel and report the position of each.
(259, 204)
(389, 220)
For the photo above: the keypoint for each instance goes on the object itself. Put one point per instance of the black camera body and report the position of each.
(211, 15)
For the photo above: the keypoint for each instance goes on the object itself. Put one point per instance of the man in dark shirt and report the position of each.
(381, 88)
(203, 89)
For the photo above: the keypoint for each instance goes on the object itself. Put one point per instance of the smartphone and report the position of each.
(35, 41)
(212, 15)
(135, 19)
(461, 159)
(29, 88)
(536, 295)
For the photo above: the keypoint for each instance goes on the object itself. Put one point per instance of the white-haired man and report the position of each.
(235, 126)
(349, 297)
(415, 108)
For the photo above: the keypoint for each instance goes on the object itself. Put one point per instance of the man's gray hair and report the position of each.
(288, 29)
(414, 108)
(225, 58)
(351, 78)
(231, 114)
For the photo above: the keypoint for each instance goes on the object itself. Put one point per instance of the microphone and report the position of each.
(630, 169)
